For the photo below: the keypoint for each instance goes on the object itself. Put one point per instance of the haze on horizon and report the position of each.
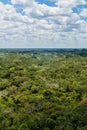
(43, 24)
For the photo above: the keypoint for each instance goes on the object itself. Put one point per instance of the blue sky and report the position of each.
(43, 24)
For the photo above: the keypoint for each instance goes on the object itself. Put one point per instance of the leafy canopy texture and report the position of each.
(43, 90)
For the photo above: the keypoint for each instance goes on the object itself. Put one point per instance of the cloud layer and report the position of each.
(25, 23)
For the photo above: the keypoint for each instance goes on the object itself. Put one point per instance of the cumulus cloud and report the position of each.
(83, 13)
(20, 1)
(30, 24)
(69, 3)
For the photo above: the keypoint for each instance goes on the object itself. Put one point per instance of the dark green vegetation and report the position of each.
(43, 90)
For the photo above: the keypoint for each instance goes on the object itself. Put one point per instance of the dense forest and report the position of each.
(43, 89)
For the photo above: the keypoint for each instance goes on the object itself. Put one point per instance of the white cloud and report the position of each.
(21, 1)
(39, 24)
(69, 3)
(83, 13)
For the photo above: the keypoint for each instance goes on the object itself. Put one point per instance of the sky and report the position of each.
(43, 23)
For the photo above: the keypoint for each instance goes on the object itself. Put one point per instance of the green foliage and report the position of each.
(43, 90)
(4, 83)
